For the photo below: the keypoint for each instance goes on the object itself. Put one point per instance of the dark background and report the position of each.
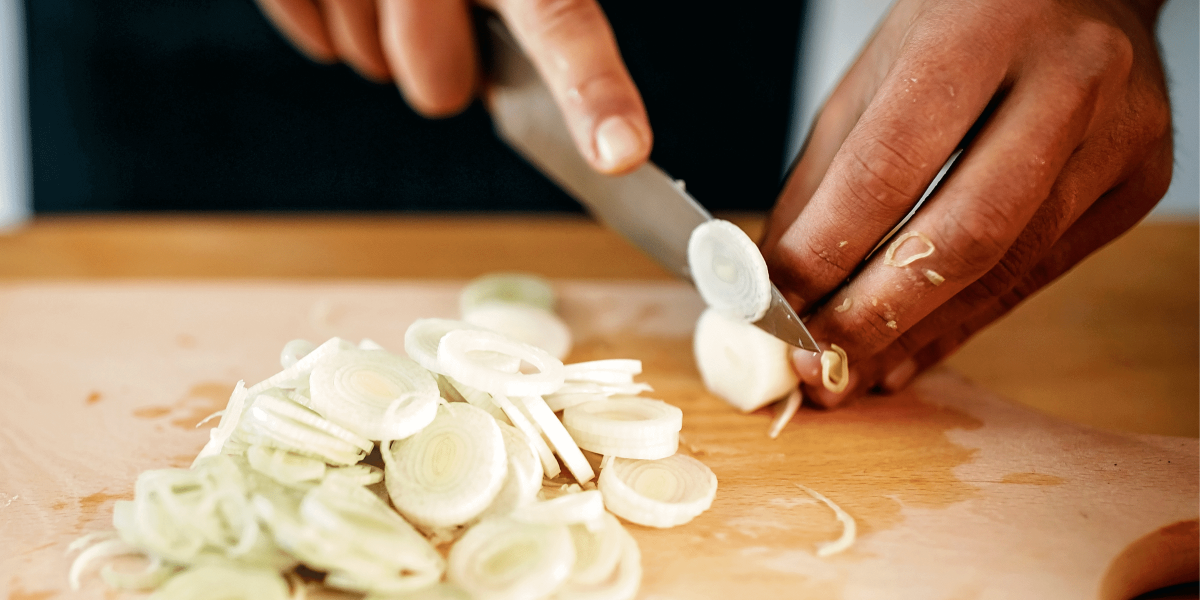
(152, 105)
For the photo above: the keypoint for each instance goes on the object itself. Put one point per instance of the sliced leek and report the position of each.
(629, 427)
(378, 395)
(457, 359)
(729, 271)
(503, 559)
(520, 421)
(512, 288)
(559, 439)
(849, 527)
(524, 479)
(597, 551)
(421, 343)
(835, 369)
(224, 582)
(745, 366)
(531, 325)
(621, 584)
(451, 471)
(658, 493)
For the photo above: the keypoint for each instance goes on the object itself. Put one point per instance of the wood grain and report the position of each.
(1113, 344)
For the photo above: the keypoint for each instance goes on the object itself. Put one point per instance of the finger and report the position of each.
(430, 50)
(301, 23)
(984, 208)
(571, 44)
(836, 118)
(353, 27)
(929, 100)
(932, 340)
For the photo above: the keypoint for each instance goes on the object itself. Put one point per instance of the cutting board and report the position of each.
(957, 494)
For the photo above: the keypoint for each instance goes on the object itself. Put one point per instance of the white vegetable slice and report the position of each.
(520, 421)
(421, 343)
(889, 257)
(627, 417)
(295, 375)
(437, 591)
(835, 369)
(456, 360)
(568, 509)
(293, 351)
(612, 370)
(378, 395)
(558, 437)
(524, 479)
(478, 398)
(277, 423)
(571, 394)
(513, 288)
(451, 471)
(785, 414)
(531, 325)
(223, 582)
(646, 449)
(658, 493)
(502, 559)
(729, 271)
(849, 527)
(597, 551)
(283, 466)
(622, 584)
(742, 364)
(220, 434)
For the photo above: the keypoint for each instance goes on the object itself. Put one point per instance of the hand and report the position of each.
(428, 48)
(1065, 107)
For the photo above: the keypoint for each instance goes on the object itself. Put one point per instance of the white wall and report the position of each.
(835, 30)
(15, 196)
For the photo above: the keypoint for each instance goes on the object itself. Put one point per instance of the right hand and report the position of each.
(427, 47)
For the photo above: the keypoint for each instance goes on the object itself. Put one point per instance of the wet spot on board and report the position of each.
(1032, 479)
(184, 340)
(91, 507)
(200, 401)
(94, 398)
(874, 458)
(59, 505)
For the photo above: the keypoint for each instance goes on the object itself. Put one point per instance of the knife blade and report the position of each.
(646, 206)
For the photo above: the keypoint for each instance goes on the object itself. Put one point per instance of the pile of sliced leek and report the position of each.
(440, 472)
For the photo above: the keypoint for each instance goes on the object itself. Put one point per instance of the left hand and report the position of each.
(1073, 146)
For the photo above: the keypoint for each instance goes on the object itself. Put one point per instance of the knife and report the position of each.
(646, 206)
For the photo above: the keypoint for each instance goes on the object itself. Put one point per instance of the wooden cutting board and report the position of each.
(957, 493)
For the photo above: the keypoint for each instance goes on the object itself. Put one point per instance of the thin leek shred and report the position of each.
(849, 527)
(788, 410)
(835, 369)
(844, 306)
(468, 446)
(934, 277)
(889, 257)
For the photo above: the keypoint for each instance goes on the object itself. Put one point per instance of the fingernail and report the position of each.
(900, 375)
(807, 364)
(617, 142)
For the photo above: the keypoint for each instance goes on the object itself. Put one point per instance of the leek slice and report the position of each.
(622, 583)
(574, 393)
(568, 509)
(223, 582)
(513, 288)
(744, 365)
(293, 351)
(346, 530)
(502, 559)
(835, 369)
(297, 374)
(597, 551)
(451, 471)
(520, 421)
(378, 395)
(276, 423)
(479, 399)
(729, 271)
(658, 493)
(849, 527)
(455, 357)
(625, 426)
(558, 438)
(531, 325)
(283, 466)
(421, 341)
(612, 370)
(230, 417)
(524, 479)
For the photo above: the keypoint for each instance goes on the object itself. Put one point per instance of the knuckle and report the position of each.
(809, 268)
(1108, 53)
(881, 173)
(869, 326)
(976, 238)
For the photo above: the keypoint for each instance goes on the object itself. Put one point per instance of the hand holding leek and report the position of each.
(1065, 109)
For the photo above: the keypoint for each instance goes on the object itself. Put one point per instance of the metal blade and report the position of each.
(646, 206)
